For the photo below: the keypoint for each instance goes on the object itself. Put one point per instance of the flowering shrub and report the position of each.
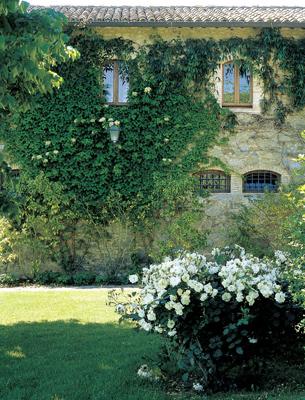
(224, 316)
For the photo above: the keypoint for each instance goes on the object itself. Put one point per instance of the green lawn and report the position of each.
(68, 345)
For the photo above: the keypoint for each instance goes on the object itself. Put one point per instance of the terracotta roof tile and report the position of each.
(184, 16)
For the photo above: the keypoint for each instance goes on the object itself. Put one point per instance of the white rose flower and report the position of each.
(203, 297)
(174, 281)
(185, 299)
(147, 89)
(120, 308)
(214, 292)
(117, 123)
(185, 278)
(178, 308)
(170, 324)
(141, 313)
(149, 298)
(133, 278)
(208, 288)
(158, 329)
(226, 297)
(197, 387)
(151, 316)
(172, 332)
(280, 297)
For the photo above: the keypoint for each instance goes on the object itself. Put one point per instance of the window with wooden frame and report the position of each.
(213, 181)
(237, 85)
(261, 181)
(116, 82)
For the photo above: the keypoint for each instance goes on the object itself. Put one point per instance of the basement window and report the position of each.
(261, 181)
(213, 181)
(116, 82)
(237, 85)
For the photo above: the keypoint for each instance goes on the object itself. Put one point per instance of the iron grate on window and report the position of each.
(261, 181)
(214, 182)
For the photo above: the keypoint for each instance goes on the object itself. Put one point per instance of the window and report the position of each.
(214, 182)
(116, 82)
(261, 181)
(237, 85)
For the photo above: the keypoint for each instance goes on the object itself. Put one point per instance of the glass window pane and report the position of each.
(123, 83)
(244, 86)
(228, 83)
(108, 82)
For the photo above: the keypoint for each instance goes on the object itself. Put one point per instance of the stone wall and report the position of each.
(256, 143)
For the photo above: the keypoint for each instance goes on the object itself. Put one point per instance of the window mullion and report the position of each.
(116, 82)
(236, 83)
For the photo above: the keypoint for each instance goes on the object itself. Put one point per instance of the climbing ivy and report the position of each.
(171, 120)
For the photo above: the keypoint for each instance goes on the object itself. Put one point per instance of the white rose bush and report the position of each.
(222, 316)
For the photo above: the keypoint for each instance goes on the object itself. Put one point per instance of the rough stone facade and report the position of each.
(256, 143)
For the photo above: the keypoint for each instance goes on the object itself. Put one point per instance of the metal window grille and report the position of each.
(261, 181)
(214, 182)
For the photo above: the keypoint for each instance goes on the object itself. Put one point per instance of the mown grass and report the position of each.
(68, 345)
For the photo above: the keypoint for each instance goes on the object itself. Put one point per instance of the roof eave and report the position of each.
(177, 24)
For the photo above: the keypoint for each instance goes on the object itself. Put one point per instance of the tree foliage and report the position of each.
(31, 44)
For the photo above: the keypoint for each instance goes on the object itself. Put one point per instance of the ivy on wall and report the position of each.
(170, 122)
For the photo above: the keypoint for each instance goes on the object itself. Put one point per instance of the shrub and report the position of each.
(84, 278)
(224, 318)
(8, 280)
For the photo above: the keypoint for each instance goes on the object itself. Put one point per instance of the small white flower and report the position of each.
(73, 140)
(45, 160)
(147, 89)
(133, 278)
(252, 340)
(149, 298)
(197, 387)
(47, 153)
(166, 140)
(170, 324)
(134, 94)
(39, 157)
(203, 297)
(172, 332)
(120, 308)
(103, 119)
(280, 297)
(117, 123)
(185, 299)
(47, 142)
(111, 124)
(166, 119)
(174, 280)
(55, 152)
(226, 297)
(151, 316)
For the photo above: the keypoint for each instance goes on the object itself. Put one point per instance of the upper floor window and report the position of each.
(214, 181)
(261, 181)
(236, 85)
(116, 82)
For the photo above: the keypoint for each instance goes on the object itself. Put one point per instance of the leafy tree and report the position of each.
(31, 45)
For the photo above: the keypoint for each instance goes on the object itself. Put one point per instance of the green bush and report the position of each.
(9, 280)
(225, 318)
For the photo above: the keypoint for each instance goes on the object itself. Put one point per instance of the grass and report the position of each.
(68, 345)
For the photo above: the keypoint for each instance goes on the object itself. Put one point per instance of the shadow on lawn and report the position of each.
(41, 358)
